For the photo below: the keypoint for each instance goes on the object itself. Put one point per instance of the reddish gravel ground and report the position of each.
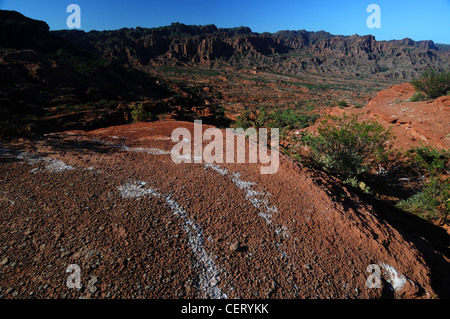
(138, 225)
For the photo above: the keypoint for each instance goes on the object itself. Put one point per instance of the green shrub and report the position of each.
(346, 147)
(256, 117)
(342, 103)
(289, 119)
(432, 83)
(432, 202)
(417, 204)
(434, 161)
(355, 183)
(286, 120)
(418, 96)
(138, 113)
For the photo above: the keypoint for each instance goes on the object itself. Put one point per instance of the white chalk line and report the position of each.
(259, 200)
(394, 278)
(153, 151)
(51, 165)
(209, 272)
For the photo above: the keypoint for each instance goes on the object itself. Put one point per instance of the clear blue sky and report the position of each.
(415, 19)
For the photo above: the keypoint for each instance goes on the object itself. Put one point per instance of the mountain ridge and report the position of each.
(46, 72)
(309, 51)
(289, 51)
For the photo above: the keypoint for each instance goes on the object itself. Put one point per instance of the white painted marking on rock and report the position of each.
(258, 199)
(166, 138)
(209, 276)
(153, 151)
(52, 165)
(217, 168)
(396, 279)
(135, 190)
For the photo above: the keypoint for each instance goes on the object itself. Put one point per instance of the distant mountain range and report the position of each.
(286, 51)
(40, 67)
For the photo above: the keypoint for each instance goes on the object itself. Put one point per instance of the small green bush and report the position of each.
(286, 120)
(342, 103)
(289, 119)
(348, 148)
(417, 204)
(138, 113)
(434, 161)
(256, 117)
(432, 202)
(432, 83)
(418, 96)
(355, 183)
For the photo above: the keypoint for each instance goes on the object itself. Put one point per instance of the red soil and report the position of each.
(141, 226)
(413, 123)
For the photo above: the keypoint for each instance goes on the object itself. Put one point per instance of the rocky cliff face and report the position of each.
(284, 51)
(20, 32)
(317, 52)
(42, 69)
(413, 124)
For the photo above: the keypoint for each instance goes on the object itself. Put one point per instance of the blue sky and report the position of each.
(415, 19)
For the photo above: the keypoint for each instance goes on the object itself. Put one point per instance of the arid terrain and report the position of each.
(139, 226)
(413, 123)
(71, 79)
(80, 184)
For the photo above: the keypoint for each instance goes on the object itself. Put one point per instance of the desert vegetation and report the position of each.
(432, 200)
(347, 147)
(138, 113)
(431, 84)
(353, 150)
(113, 198)
(286, 120)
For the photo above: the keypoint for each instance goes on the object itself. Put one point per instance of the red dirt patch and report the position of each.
(141, 226)
(412, 123)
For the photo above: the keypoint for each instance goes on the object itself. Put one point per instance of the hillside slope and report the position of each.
(412, 123)
(140, 226)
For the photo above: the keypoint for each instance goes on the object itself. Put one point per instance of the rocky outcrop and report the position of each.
(316, 52)
(114, 198)
(20, 32)
(412, 123)
(319, 51)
